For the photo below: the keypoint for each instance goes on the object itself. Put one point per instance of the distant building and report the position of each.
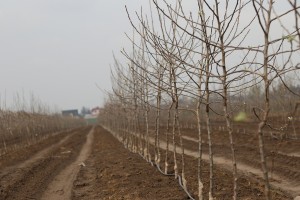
(95, 111)
(92, 118)
(72, 113)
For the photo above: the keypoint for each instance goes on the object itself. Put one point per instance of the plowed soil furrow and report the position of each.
(29, 178)
(23, 154)
(112, 172)
(61, 186)
(250, 185)
(290, 186)
(88, 164)
(280, 164)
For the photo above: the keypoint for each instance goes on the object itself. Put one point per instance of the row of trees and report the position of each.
(27, 125)
(218, 55)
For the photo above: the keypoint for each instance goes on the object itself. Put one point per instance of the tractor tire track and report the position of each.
(30, 178)
(276, 181)
(61, 186)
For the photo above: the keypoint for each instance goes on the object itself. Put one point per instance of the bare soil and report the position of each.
(112, 172)
(282, 155)
(26, 173)
(62, 185)
(82, 164)
(89, 163)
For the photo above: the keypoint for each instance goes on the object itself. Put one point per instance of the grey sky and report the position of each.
(59, 49)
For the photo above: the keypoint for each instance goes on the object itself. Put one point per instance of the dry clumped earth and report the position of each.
(67, 166)
(116, 173)
(89, 163)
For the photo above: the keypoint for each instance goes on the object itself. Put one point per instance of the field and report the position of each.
(210, 96)
(84, 163)
(203, 103)
(89, 163)
(283, 161)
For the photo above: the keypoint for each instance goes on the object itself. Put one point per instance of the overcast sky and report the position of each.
(60, 49)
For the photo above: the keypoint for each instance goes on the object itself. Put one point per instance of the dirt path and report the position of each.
(276, 181)
(61, 186)
(294, 154)
(112, 172)
(39, 155)
(25, 174)
(87, 164)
